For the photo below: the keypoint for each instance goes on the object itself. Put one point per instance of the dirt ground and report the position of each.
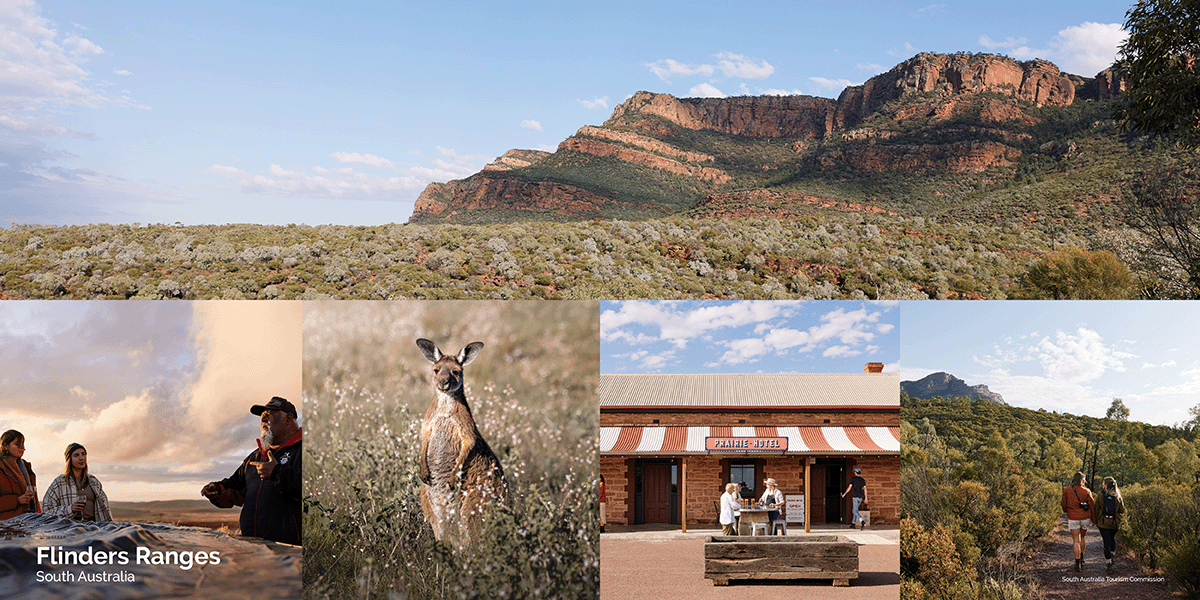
(1053, 575)
(634, 567)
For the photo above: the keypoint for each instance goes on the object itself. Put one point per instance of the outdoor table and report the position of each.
(757, 515)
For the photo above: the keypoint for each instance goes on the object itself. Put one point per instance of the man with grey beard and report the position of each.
(267, 484)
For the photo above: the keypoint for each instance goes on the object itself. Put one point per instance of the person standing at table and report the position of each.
(772, 499)
(729, 504)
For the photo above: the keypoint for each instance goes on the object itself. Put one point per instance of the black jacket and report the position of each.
(271, 508)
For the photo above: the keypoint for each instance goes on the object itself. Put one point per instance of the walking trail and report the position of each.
(1053, 571)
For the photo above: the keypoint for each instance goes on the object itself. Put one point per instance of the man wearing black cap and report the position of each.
(267, 485)
(858, 486)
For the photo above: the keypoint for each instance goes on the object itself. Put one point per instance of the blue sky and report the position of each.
(158, 392)
(342, 112)
(747, 336)
(1063, 356)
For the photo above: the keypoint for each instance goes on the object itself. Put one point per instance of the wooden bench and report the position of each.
(833, 557)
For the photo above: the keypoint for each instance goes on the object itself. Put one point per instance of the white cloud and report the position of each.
(705, 90)
(680, 327)
(1008, 43)
(731, 65)
(775, 92)
(658, 360)
(279, 171)
(831, 84)
(1079, 357)
(844, 329)
(1084, 49)
(743, 67)
(872, 67)
(840, 352)
(224, 170)
(346, 182)
(1088, 48)
(40, 72)
(597, 103)
(122, 72)
(667, 69)
(531, 124)
(83, 45)
(366, 159)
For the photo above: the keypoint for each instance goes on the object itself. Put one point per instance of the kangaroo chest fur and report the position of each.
(444, 427)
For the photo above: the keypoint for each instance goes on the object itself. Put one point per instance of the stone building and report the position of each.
(670, 443)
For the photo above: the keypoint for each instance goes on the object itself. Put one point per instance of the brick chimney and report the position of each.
(873, 368)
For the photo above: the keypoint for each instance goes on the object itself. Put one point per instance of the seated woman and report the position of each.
(17, 481)
(76, 494)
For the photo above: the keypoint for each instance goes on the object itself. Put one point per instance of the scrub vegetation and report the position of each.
(532, 394)
(981, 482)
(822, 255)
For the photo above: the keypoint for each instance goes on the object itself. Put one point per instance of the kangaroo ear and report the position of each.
(430, 350)
(468, 354)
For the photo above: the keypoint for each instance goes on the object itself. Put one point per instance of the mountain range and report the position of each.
(973, 136)
(945, 385)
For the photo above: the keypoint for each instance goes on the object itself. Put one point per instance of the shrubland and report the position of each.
(824, 254)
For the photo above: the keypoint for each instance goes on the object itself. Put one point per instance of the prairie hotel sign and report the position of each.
(745, 444)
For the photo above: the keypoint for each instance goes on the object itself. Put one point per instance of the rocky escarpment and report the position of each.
(945, 385)
(869, 128)
(1036, 81)
(752, 116)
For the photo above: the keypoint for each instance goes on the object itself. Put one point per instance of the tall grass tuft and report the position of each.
(532, 393)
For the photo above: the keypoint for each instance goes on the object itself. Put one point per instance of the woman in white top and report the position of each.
(729, 504)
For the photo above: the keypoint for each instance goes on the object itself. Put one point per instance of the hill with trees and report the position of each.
(984, 480)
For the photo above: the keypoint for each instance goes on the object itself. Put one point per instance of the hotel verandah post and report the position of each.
(669, 443)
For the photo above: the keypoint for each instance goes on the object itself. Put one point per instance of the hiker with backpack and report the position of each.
(1109, 510)
(1077, 502)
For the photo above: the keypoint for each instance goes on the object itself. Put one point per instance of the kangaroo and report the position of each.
(460, 476)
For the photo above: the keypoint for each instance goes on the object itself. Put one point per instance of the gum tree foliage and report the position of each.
(1163, 206)
(1159, 59)
(1117, 411)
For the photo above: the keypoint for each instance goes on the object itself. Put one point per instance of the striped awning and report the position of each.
(801, 440)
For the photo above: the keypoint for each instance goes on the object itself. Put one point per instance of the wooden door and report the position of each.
(657, 487)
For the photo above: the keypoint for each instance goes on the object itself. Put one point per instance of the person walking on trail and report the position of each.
(858, 486)
(1108, 512)
(1077, 502)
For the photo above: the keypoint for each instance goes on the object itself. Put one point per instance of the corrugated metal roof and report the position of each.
(750, 389)
(801, 440)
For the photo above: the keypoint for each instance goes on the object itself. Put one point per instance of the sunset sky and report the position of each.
(158, 392)
(342, 112)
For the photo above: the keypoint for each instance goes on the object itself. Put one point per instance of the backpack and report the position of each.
(1110, 506)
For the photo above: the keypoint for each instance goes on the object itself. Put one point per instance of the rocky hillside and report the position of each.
(945, 385)
(931, 134)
